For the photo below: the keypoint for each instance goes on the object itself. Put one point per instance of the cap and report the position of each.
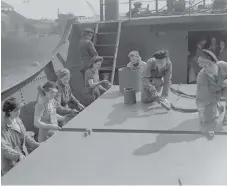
(88, 30)
(11, 104)
(161, 54)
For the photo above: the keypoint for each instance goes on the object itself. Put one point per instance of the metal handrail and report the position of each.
(190, 8)
(192, 4)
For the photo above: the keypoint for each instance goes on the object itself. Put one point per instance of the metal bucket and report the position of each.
(129, 78)
(129, 96)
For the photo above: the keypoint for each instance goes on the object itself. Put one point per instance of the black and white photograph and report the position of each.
(114, 92)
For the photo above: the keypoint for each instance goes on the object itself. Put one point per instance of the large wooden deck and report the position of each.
(127, 157)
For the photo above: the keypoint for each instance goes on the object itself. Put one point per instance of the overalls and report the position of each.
(209, 93)
(153, 80)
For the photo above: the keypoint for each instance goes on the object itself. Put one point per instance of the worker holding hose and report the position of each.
(211, 86)
(156, 77)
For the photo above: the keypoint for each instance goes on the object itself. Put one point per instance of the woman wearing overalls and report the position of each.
(211, 86)
(156, 75)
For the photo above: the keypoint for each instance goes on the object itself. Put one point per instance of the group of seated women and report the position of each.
(54, 107)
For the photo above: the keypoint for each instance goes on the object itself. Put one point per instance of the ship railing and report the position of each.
(151, 8)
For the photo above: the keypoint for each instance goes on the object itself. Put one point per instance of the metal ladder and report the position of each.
(106, 41)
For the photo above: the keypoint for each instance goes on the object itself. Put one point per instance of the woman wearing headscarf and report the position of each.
(156, 76)
(15, 141)
(135, 61)
(64, 95)
(45, 117)
(92, 83)
(211, 86)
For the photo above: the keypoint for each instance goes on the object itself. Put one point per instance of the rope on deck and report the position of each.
(184, 95)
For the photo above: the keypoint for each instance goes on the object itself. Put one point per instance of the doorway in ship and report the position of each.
(198, 40)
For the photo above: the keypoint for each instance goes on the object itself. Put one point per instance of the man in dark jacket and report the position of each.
(87, 49)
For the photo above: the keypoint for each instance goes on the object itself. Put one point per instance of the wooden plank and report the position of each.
(69, 159)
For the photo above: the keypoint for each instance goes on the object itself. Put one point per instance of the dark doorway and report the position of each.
(198, 40)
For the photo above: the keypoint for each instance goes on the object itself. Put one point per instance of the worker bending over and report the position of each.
(211, 86)
(157, 75)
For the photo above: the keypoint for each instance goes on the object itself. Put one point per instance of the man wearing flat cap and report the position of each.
(87, 49)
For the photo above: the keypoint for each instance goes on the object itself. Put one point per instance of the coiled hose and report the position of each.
(184, 95)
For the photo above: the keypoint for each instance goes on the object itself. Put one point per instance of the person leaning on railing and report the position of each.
(92, 83)
(64, 96)
(16, 143)
(45, 117)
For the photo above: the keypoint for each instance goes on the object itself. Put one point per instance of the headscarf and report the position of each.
(62, 73)
(64, 89)
(134, 53)
(208, 53)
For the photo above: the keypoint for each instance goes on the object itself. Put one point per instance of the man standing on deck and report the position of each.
(87, 50)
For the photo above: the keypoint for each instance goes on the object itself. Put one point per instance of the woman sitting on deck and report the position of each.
(16, 142)
(211, 86)
(64, 96)
(157, 69)
(45, 118)
(92, 83)
(135, 61)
